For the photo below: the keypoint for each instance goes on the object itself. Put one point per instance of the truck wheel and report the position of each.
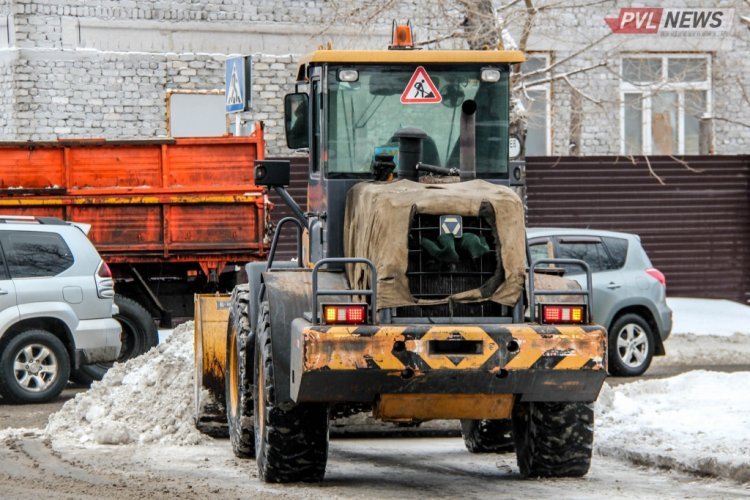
(631, 346)
(139, 334)
(237, 387)
(291, 445)
(553, 439)
(488, 436)
(34, 367)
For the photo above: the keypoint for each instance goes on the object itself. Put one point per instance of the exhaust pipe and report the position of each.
(409, 151)
(467, 151)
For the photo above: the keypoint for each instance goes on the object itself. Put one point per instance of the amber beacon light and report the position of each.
(402, 36)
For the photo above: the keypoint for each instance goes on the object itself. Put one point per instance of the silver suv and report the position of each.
(56, 306)
(629, 293)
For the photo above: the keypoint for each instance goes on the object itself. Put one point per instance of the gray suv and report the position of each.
(56, 306)
(629, 293)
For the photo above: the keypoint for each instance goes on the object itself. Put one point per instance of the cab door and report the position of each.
(8, 305)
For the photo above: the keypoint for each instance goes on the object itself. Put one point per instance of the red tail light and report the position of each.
(346, 314)
(104, 271)
(658, 275)
(105, 284)
(563, 314)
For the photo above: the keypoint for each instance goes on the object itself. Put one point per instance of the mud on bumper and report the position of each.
(531, 362)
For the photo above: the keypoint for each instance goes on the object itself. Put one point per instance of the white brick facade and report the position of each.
(103, 68)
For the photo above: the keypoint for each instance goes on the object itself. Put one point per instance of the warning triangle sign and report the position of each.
(420, 89)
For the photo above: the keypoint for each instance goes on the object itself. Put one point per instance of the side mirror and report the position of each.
(272, 173)
(296, 120)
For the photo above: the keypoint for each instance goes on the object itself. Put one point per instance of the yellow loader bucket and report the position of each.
(211, 317)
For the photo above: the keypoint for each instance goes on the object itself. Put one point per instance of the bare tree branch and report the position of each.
(651, 171)
(742, 88)
(734, 122)
(568, 58)
(579, 91)
(686, 165)
(530, 14)
(535, 83)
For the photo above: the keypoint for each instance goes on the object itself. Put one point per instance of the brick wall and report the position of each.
(103, 69)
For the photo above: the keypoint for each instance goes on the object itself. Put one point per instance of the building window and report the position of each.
(536, 100)
(664, 98)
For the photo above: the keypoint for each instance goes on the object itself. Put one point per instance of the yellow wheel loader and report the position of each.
(412, 296)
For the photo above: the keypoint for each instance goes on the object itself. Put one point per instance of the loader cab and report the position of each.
(352, 108)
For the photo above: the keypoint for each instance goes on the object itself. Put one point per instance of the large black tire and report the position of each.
(553, 439)
(139, 334)
(237, 378)
(290, 445)
(631, 346)
(488, 436)
(34, 367)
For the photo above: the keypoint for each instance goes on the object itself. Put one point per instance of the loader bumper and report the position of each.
(482, 365)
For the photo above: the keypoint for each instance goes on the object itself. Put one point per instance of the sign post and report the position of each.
(238, 80)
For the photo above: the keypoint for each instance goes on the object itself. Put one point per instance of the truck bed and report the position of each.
(150, 201)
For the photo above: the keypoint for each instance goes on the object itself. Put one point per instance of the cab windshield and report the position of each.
(364, 115)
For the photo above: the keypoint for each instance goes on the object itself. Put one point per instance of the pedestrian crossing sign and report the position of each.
(237, 90)
(420, 89)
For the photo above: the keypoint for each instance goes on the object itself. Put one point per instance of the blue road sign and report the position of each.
(237, 78)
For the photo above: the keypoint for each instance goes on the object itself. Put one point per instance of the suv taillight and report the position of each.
(105, 284)
(104, 271)
(658, 275)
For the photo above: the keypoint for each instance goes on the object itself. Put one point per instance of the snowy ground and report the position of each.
(697, 422)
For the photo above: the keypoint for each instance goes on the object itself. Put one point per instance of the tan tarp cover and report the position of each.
(376, 226)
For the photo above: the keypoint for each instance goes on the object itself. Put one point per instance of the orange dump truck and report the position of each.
(171, 217)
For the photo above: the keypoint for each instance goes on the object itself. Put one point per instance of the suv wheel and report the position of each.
(34, 367)
(631, 346)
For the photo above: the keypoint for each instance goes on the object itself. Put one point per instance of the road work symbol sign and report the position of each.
(452, 224)
(420, 89)
(237, 93)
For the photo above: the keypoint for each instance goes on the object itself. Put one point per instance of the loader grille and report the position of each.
(429, 278)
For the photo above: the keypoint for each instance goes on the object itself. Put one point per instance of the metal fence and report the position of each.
(692, 213)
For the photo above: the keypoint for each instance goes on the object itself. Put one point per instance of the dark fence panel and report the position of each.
(695, 227)
(298, 189)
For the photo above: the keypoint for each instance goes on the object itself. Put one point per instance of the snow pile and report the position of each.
(697, 422)
(148, 399)
(705, 350)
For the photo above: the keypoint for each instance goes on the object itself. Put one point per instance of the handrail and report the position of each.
(275, 243)
(372, 292)
(588, 292)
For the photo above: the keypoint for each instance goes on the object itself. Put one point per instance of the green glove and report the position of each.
(473, 245)
(444, 250)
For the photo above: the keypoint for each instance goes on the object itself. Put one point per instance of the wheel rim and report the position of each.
(36, 367)
(632, 345)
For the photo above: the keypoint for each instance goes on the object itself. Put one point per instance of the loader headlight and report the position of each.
(348, 75)
(490, 75)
